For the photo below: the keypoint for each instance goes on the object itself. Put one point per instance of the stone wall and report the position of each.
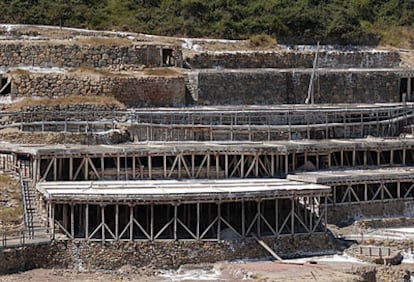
(107, 138)
(234, 87)
(349, 211)
(150, 91)
(215, 87)
(72, 55)
(167, 254)
(290, 59)
(24, 258)
(133, 91)
(377, 223)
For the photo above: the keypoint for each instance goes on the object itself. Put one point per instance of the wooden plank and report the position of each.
(268, 249)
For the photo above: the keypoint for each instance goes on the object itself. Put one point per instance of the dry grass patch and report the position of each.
(66, 101)
(262, 41)
(12, 215)
(103, 72)
(105, 41)
(11, 210)
(398, 36)
(161, 72)
(19, 72)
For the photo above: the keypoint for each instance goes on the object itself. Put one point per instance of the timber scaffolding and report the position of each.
(391, 190)
(252, 123)
(203, 210)
(82, 170)
(147, 209)
(191, 160)
(355, 185)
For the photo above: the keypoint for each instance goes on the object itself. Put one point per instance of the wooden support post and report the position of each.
(175, 221)
(86, 168)
(311, 213)
(226, 165)
(53, 220)
(164, 162)
(353, 157)
(365, 192)
(54, 168)
(243, 220)
(378, 158)
(72, 220)
(305, 157)
(208, 164)
(259, 212)
(329, 159)
(126, 165)
(217, 165)
(179, 156)
(116, 222)
(317, 160)
(103, 222)
(102, 168)
(71, 168)
(277, 216)
(404, 155)
(34, 169)
(326, 213)
(286, 163)
(292, 219)
(87, 222)
(134, 173)
(118, 167)
(218, 221)
(272, 165)
(149, 166)
(131, 222)
(242, 166)
(398, 189)
(192, 165)
(198, 222)
(65, 222)
(152, 223)
(365, 158)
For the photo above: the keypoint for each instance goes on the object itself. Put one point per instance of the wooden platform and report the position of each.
(336, 176)
(182, 191)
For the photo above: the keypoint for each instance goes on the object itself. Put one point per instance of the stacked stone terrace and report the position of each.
(211, 171)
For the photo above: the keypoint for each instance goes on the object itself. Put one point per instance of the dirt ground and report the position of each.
(222, 271)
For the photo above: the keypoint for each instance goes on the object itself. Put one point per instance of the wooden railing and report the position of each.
(10, 237)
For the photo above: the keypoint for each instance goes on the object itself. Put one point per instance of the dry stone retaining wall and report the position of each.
(71, 55)
(234, 87)
(341, 213)
(219, 87)
(290, 59)
(133, 91)
(113, 255)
